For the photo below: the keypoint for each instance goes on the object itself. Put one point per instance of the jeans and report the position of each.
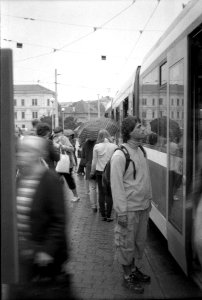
(104, 198)
(91, 187)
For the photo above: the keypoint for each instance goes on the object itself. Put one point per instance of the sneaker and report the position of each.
(132, 285)
(137, 275)
(110, 219)
(74, 199)
(104, 219)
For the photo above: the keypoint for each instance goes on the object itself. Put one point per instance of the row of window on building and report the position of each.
(23, 117)
(145, 102)
(175, 115)
(34, 102)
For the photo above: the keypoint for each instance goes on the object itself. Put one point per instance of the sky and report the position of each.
(72, 36)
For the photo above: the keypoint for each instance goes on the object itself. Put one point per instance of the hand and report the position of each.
(122, 221)
(43, 259)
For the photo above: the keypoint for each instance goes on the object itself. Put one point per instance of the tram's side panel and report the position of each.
(9, 264)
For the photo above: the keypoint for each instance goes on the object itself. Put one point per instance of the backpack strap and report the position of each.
(128, 160)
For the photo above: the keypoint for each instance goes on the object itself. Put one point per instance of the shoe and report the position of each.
(104, 219)
(137, 275)
(110, 219)
(74, 199)
(132, 285)
(95, 209)
(175, 198)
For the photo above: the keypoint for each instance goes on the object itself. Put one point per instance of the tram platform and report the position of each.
(95, 271)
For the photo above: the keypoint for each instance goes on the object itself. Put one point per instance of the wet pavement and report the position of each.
(95, 272)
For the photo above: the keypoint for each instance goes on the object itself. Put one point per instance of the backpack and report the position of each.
(106, 182)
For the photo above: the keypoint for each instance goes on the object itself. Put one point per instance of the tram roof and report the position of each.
(124, 91)
(190, 13)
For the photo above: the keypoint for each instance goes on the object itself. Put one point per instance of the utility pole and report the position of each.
(56, 99)
(98, 111)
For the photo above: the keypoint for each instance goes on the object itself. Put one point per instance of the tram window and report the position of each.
(163, 74)
(176, 125)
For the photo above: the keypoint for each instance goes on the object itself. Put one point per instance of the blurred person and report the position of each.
(72, 140)
(53, 154)
(34, 126)
(102, 152)
(132, 196)
(41, 220)
(64, 145)
(87, 155)
(82, 162)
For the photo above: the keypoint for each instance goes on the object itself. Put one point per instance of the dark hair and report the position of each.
(35, 122)
(128, 124)
(42, 129)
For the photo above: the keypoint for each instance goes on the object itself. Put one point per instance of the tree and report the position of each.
(71, 123)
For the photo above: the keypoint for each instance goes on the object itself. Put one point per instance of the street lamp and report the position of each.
(63, 118)
(52, 101)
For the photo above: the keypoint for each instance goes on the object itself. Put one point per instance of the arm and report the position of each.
(94, 161)
(118, 162)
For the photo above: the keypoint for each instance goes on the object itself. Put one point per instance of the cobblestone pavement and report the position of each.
(95, 272)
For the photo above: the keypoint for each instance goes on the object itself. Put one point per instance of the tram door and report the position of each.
(196, 117)
(184, 122)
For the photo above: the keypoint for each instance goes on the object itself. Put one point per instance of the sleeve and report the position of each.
(118, 162)
(94, 160)
(67, 145)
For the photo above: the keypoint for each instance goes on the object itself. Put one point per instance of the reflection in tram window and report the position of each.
(176, 125)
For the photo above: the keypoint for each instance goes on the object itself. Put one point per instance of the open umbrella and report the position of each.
(92, 128)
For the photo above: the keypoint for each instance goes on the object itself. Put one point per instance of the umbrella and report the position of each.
(68, 132)
(91, 128)
(159, 126)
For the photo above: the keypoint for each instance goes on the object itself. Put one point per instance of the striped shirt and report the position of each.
(25, 193)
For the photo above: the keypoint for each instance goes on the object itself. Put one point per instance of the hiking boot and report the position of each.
(133, 285)
(139, 276)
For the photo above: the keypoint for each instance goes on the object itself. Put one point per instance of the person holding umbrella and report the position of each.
(102, 152)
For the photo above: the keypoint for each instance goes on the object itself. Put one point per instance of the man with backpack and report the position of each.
(132, 194)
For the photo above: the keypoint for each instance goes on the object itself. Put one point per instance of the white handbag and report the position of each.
(63, 164)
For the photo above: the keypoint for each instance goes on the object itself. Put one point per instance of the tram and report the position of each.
(166, 93)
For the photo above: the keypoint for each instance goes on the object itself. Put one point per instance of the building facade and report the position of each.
(32, 102)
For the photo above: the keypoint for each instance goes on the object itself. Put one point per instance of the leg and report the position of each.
(109, 201)
(93, 194)
(70, 181)
(101, 195)
(140, 241)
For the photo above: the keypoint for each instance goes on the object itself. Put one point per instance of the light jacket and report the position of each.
(130, 194)
(102, 152)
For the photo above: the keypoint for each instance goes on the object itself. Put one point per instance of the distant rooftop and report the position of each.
(32, 88)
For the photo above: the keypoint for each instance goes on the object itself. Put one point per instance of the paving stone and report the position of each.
(97, 274)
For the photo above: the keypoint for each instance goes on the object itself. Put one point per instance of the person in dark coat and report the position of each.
(41, 220)
(53, 154)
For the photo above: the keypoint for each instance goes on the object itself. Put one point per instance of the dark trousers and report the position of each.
(103, 197)
(69, 179)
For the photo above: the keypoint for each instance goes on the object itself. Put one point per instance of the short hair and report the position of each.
(35, 122)
(42, 129)
(102, 134)
(127, 126)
